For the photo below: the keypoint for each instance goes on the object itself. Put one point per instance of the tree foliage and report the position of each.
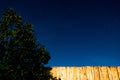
(22, 57)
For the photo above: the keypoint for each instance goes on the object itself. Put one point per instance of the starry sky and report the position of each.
(75, 32)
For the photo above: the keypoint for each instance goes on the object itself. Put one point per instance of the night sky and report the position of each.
(75, 32)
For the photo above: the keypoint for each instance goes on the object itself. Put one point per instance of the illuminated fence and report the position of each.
(87, 73)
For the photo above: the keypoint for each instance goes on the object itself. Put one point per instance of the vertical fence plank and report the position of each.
(118, 69)
(96, 73)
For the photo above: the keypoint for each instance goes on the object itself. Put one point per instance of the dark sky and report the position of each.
(75, 32)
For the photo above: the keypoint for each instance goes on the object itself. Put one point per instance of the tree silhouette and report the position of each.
(22, 57)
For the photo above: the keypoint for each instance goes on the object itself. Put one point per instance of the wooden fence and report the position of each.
(87, 73)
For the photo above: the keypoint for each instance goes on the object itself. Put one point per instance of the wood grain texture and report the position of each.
(87, 73)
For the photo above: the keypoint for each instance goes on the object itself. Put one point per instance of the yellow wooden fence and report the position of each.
(87, 73)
